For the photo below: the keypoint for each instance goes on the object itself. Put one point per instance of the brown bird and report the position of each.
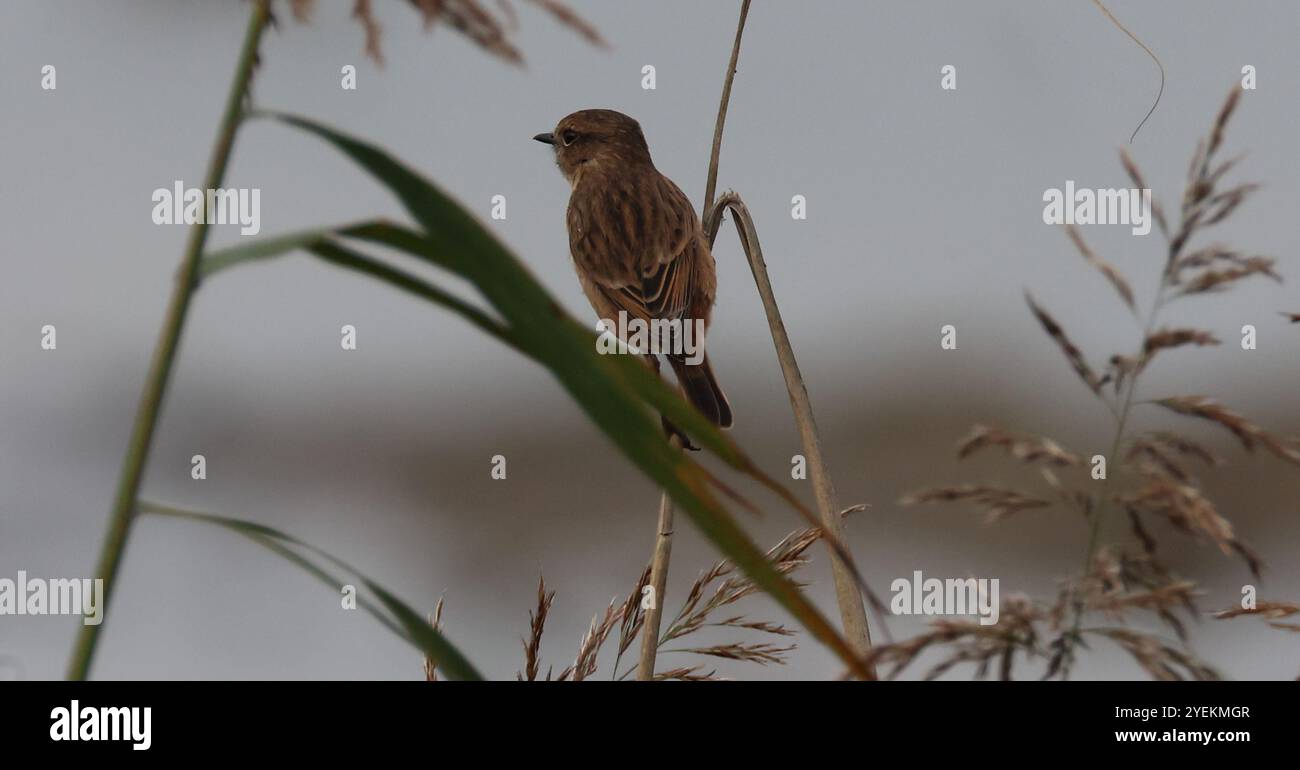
(637, 244)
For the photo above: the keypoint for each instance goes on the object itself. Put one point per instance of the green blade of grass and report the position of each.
(263, 248)
(321, 243)
(401, 619)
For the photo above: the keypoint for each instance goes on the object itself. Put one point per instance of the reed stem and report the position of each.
(848, 596)
(645, 669)
(146, 418)
(663, 540)
(711, 185)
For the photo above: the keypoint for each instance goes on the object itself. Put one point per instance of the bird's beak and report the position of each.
(545, 138)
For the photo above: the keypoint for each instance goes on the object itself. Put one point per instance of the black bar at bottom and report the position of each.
(212, 719)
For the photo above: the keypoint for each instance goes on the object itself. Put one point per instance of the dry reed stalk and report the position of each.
(849, 585)
(846, 577)
(663, 542)
(645, 670)
(711, 185)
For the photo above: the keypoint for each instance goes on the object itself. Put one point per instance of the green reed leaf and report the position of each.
(394, 614)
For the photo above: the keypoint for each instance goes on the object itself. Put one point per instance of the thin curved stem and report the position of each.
(847, 592)
(645, 669)
(712, 185)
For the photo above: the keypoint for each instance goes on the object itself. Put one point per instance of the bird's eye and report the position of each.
(568, 137)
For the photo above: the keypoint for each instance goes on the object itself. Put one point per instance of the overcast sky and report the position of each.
(924, 209)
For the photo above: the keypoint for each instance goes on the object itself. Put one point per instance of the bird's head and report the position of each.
(597, 137)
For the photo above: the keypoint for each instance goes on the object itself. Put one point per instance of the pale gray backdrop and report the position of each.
(924, 209)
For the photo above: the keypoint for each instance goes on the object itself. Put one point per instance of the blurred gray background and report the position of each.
(924, 209)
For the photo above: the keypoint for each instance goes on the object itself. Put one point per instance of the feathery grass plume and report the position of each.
(472, 18)
(1115, 584)
(1247, 432)
(1160, 659)
(691, 674)
(584, 665)
(1268, 610)
(566, 16)
(721, 585)
(998, 503)
(1119, 583)
(966, 641)
(1164, 339)
(431, 665)
(761, 653)
(633, 617)
(1140, 182)
(1107, 269)
(1152, 475)
(755, 625)
(1184, 506)
(1217, 280)
(362, 12)
(730, 587)
(1163, 452)
(1071, 351)
(536, 625)
(1026, 448)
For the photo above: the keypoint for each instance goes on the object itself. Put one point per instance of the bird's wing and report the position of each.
(642, 251)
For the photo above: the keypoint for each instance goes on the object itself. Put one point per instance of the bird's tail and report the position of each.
(702, 389)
